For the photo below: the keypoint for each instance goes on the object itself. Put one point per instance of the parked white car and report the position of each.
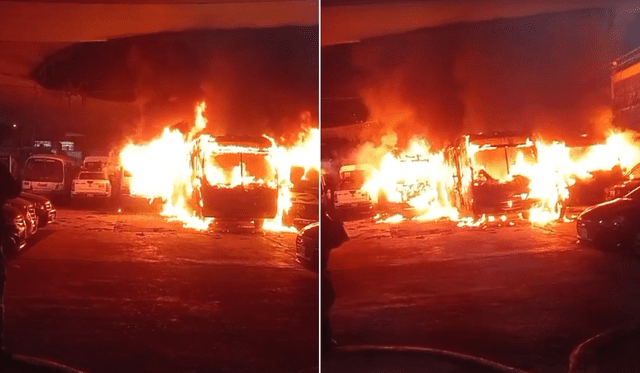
(91, 184)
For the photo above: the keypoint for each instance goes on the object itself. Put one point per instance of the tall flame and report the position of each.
(163, 169)
(416, 177)
(423, 180)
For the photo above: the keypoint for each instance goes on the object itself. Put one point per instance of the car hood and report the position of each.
(610, 209)
(19, 202)
(33, 197)
(312, 231)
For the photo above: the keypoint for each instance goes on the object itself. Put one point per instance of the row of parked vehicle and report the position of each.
(66, 180)
(24, 216)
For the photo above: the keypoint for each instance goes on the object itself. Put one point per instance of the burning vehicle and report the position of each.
(349, 199)
(590, 187)
(305, 206)
(200, 179)
(627, 183)
(486, 179)
(236, 182)
(598, 187)
(417, 191)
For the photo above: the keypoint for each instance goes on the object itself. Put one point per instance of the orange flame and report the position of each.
(423, 180)
(163, 169)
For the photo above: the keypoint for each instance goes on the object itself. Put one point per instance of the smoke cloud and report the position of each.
(547, 73)
(254, 81)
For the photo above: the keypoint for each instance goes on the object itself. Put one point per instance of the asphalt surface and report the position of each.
(519, 295)
(109, 292)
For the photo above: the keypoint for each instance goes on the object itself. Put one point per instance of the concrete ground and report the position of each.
(521, 295)
(108, 292)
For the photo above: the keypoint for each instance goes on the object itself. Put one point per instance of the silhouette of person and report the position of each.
(333, 235)
(9, 188)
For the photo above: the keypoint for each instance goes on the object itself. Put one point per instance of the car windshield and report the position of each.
(92, 176)
(95, 165)
(44, 169)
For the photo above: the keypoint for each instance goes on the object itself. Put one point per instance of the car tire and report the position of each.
(258, 223)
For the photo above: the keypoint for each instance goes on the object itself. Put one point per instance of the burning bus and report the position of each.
(199, 178)
(486, 177)
(234, 179)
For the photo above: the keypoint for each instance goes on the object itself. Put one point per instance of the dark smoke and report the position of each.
(254, 81)
(547, 73)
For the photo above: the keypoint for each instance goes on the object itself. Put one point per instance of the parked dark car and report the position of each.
(613, 223)
(44, 208)
(28, 211)
(17, 229)
(307, 246)
(631, 181)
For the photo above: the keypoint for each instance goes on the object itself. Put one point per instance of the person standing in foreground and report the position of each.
(333, 235)
(9, 188)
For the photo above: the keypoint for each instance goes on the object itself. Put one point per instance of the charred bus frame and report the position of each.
(488, 195)
(244, 202)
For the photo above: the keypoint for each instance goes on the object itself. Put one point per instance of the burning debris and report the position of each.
(489, 177)
(200, 177)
